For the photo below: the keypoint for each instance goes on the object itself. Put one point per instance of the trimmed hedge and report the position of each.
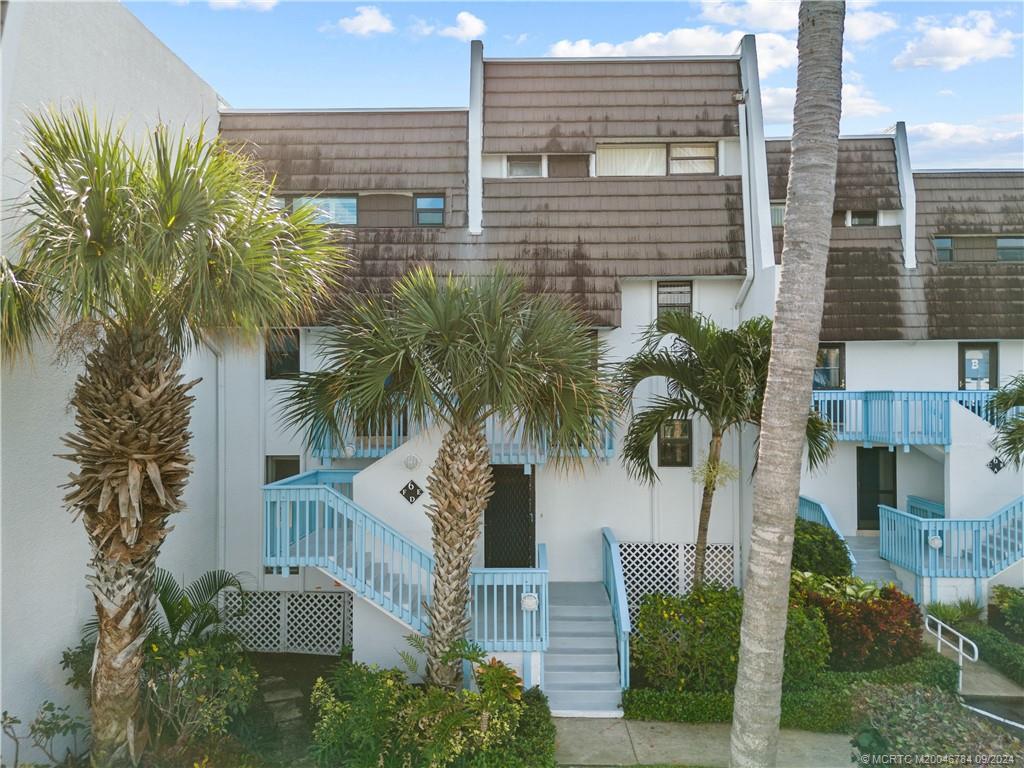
(826, 707)
(997, 650)
(818, 549)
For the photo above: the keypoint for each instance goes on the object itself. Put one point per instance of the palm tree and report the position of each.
(713, 373)
(192, 612)
(798, 308)
(1007, 412)
(142, 250)
(453, 352)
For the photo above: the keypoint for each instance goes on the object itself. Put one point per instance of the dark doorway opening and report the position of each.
(509, 534)
(876, 484)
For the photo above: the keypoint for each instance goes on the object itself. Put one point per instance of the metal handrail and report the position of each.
(936, 627)
(615, 586)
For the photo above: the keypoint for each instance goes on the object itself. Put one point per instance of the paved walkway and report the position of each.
(981, 680)
(598, 742)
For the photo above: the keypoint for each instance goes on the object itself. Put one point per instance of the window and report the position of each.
(864, 219)
(675, 446)
(631, 160)
(520, 166)
(282, 353)
(943, 248)
(429, 211)
(979, 365)
(568, 166)
(830, 367)
(693, 158)
(332, 210)
(675, 297)
(1010, 248)
(778, 211)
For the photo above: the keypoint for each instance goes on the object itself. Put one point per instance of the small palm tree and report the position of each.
(453, 352)
(192, 612)
(713, 373)
(143, 251)
(1007, 411)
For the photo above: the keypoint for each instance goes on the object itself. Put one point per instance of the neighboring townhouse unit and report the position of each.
(632, 187)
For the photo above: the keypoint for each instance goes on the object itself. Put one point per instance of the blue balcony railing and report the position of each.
(926, 508)
(896, 418)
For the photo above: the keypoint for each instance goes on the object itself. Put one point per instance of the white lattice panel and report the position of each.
(292, 622)
(667, 568)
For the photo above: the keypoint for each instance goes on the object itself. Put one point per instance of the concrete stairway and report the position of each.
(870, 566)
(581, 666)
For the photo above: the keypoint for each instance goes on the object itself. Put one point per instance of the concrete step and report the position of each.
(578, 611)
(577, 593)
(575, 644)
(605, 675)
(579, 659)
(277, 695)
(583, 700)
(606, 629)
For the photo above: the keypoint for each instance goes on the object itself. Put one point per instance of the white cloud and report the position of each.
(774, 51)
(994, 143)
(862, 26)
(519, 39)
(258, 5)
(776, 15)
(466, 27)
(422, 28)
(947, 92)
(970, 38)
(368, 21)
(858, 101)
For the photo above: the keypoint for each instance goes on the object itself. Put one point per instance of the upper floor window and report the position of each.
(332, 210)
(280, 468)
(1010, 248)
(778, 211)
(864, 218)
(631, 159)
(830, 367)
(568, 166)
(520, 166)
(943, 248)
(282, 353)
(693, 158)
(429, 210)
(675, 297)
(675, 443)
(979, 365)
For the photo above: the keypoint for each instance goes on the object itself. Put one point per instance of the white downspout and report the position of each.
(908, 218)
(748, 246)
(222, 522)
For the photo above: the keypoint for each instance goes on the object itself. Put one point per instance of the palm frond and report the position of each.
(24, 314)
(1006, 411)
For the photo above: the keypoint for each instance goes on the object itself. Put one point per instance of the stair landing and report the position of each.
(870, 565)
(581, 666)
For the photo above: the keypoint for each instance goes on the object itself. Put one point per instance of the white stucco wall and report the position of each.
(972, 489)
(917, 365)
(100, 55)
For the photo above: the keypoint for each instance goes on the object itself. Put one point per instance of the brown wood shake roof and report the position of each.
(564, 105)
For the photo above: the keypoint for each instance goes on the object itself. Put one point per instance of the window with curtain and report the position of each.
(332, 210)
(693, 158)
(631, 159)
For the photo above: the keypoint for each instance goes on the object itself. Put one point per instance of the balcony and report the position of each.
(896, 418)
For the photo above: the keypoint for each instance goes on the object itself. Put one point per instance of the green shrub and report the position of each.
(827, 706)
(955, 613)
(367, 716)
(868, 627)
(997, 650)
(692, 642)
(920, 720)
(818, 549)
(1006, 609)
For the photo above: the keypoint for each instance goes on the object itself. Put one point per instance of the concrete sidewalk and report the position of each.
(598, 742)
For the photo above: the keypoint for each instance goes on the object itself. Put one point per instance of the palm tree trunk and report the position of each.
(798, 309)
(460, 485)
(710, 483)
(131, 446)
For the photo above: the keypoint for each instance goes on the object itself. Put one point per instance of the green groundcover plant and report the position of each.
(818, 549)
(1006, 610)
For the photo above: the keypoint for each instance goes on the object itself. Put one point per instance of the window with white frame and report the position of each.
(675, 296)
(523, 166)
(631, 159)
(332, 210)
(693, 158)
(778, 213)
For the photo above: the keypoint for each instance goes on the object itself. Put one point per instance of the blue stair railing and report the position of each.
(311, 520)
(615, 586)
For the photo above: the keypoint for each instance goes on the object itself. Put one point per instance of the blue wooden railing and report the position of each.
(896, 418)
(814, 511)
(953, 547)
(921, 507)
(615, 586)
(311, 520)
(508, 445)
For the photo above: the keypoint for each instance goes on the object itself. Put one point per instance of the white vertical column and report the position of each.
(475, 178)
(908, 216)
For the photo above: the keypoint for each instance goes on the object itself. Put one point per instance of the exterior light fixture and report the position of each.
(935, 541)
(411, 461)
(529, 601)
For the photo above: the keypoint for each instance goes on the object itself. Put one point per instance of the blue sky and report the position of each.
(953, 71)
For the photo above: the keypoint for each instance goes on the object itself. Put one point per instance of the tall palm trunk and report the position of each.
(460, 485)
(131, 446)
(704, 521)
(797, 327)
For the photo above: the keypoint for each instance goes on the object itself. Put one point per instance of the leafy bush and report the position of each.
(366, 716)
(997, 650)
(51, 724)
(826, 707)
(919, 720)
(818, 549)
(868, 627)
(1006, 609)
(955, 613)
(692, 642)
